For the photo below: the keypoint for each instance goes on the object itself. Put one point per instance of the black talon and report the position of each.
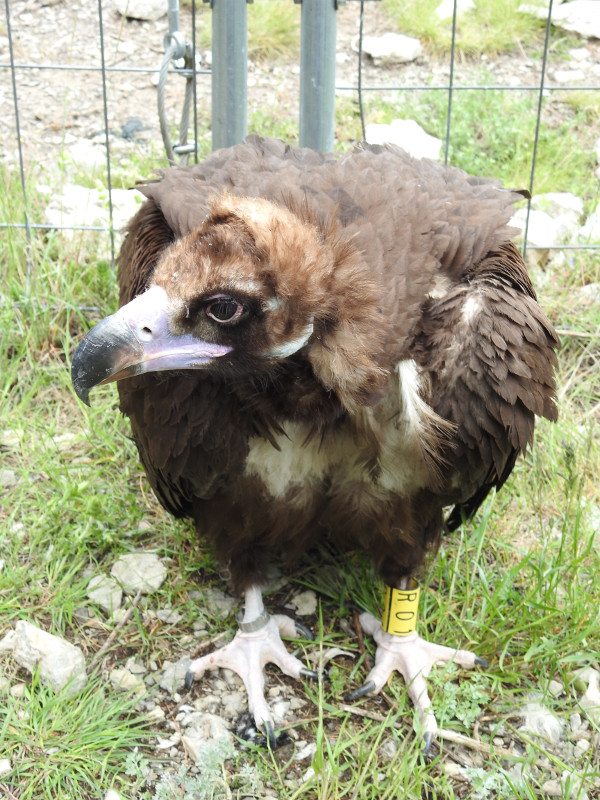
(309, 673)
(189, 679)
(428, 755)
(270, 734)
(481, 662)
(303, 631)
(360, 692)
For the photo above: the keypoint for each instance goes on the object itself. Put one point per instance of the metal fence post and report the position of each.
(229, 72)
(317, 74)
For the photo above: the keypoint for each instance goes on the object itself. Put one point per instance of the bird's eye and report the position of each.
(224, 309)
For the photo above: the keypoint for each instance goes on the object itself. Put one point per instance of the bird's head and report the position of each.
(254, 285)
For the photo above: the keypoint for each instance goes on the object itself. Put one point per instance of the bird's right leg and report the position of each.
(257, 642)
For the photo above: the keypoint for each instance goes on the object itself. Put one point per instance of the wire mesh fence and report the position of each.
(84, 74)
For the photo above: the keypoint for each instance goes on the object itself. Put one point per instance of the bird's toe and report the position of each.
(363, 690)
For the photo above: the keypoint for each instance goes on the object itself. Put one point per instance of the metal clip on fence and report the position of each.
(176, 49)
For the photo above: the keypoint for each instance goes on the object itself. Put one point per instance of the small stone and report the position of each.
(205, 728)
(139, 571)
(135, 667)
(146, 10)
(590, 701)
(122, 678)
(583, 745)
(157, 713)
(552, 788)
(106, 592)
(388, 750)
(306, 751)
(173, 677)
(234, 704)
(18, 690)
(217, 601)
(390, 48)
(7, 643)
(407, 134)
(59, 662)
(8, 478)
(555, 688)
(169, 616)
(541, 721)
(575, 722)
(446, 8)
(305, 603)
(112, 795)
(564, 76)
(5, 766)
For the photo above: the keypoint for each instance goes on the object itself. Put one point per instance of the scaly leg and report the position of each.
(414, 658)
(257, 642)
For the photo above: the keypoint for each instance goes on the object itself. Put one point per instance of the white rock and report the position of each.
(139, 571)
(234, 704)
(217, 601)
(555, 688)
(5, 766)
(541, 233)
(8, 478)
(590, 232)
(405, 133)
(390, 48)
(306, 751)
(446, 8)
(11, 439)
(148, 10)
(579, 53)
(122, 678)
(541, 721)
(564, 76)
(157, 713)
(388, 750)
(305, 603)
(106, 592)
(112, 795)
(169, 616)
(552, 788)
(59, 661)
(173, 676)
(580, 16)
(205, 729)
(590, 700)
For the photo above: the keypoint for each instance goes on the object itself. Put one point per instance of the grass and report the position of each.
(490, 27)
(519, 585)
(273, 30)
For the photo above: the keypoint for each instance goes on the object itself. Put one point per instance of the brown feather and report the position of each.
(422, 356)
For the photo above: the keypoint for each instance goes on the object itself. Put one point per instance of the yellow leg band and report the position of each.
(401, 610)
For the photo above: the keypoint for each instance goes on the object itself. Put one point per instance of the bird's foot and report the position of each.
(247, 654)
(413, 657)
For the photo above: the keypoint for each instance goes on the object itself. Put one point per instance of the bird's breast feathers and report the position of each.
(390, 448)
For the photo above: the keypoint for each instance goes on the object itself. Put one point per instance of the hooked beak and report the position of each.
(136, 340)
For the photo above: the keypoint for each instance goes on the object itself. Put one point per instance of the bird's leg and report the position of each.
(257, 642)
(399, 647)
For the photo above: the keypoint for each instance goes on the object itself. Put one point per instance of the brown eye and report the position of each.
(224, 309)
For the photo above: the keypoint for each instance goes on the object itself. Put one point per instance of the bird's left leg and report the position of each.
(400, 648)
(257, 642)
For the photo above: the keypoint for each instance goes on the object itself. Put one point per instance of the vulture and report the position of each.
(321, 346)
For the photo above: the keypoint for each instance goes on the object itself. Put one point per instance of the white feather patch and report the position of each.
(286, 349)
(470, 309)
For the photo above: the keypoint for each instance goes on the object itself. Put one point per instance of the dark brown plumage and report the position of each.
(381, 354)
